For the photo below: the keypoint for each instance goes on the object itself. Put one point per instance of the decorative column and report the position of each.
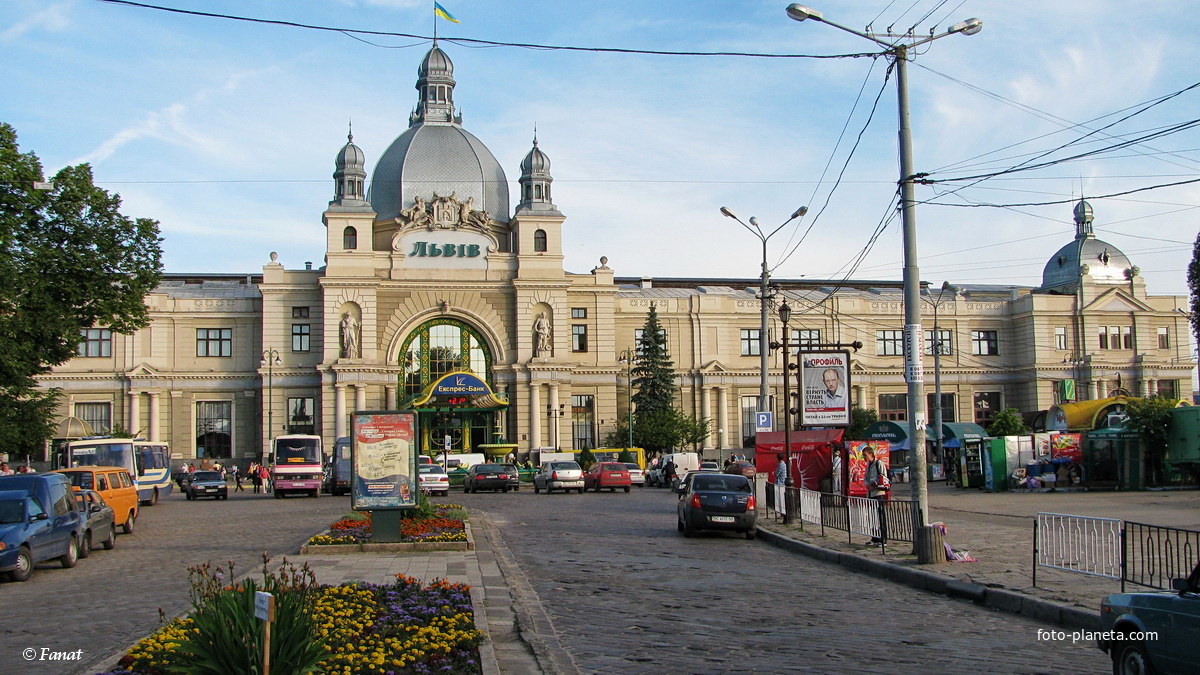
(389, 393)
(339, 410)
(153, 415)
(706, 413)
(1092, 389)
(135, 413)
(723, 417)
(1145, 387)
(535, 415)
(360, 397)
(555, 416)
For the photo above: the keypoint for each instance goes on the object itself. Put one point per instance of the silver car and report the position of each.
(636, 475)
(559, 475)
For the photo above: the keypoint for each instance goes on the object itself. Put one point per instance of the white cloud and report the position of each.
(54, 19)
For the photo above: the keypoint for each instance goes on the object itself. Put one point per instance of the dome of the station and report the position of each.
(1087, 256)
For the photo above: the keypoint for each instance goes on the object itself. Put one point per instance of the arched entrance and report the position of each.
(438, 348)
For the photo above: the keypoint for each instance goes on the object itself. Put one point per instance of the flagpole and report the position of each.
(435, 23)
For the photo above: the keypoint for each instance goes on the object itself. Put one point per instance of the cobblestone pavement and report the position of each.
(616, 589)
(112, 599)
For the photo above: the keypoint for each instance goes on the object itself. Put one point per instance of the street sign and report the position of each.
(763, 421)
(447, 442)
(264, 606)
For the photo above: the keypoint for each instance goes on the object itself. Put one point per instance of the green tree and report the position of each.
(70, 261)
(654, 373)
(1151, 419)
(1007, 422)
(1193, 277)
(860, 419)
(587, 458)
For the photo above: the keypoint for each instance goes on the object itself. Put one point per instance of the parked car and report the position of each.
(432, 479)
(514, 476)
(114, 484)
(716, 501)
(486, 477)
(709, 466)
(558, 475)
(101, 522)
(1173, 617)
(611, 475)
(742, 468)
(206, 484)
(636, 475)
(40, 520)
(337, 471)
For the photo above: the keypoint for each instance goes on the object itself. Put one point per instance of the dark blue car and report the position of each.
(40, 520)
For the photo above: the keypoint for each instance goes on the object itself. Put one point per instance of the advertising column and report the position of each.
(384, 457)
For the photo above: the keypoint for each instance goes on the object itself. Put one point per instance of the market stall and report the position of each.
(811, 454)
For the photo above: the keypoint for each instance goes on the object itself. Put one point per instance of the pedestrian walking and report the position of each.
(878, 488)
(267, 480)
(237, 478)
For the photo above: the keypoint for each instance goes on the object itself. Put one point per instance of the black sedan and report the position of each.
(486, 477)
(715, 501)
(206, 484)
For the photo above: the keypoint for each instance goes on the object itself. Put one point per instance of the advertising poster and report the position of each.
(825, 387)
(857, 464)
(1067, 445)
(385, 460)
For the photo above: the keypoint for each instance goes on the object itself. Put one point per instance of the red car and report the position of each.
(611, 475)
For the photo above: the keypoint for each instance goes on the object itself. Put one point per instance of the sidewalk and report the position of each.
(997, 530)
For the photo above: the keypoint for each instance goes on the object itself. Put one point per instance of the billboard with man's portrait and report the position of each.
(825, 389)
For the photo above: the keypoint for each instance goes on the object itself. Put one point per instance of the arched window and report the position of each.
(349, 238)
(539, 240)
(537, 191)
(442, 346)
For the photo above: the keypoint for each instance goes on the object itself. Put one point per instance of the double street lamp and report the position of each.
(270, 359)
(785, 315)
(627, 357)
(937, 346)
(897, 47)
(765, 295)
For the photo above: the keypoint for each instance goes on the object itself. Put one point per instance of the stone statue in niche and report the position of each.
(542, 337)
(349, 336)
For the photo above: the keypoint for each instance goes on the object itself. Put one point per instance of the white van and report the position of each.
(684, 462)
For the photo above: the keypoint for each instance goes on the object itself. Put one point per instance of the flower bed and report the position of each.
(445, 523)
(405, 627)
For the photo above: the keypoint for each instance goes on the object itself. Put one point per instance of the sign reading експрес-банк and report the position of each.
(384, 459)
(824, 386)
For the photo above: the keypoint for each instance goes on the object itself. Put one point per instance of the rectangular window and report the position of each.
(1126, 337)
(214, 342)
(96, 342)
(750, 341)
(985, 343)
(893, 407)
(214, 424)
(637, 339)
(579, 312)
(987, 405)
(948, 409)
(1168, 388)
(1164, 337)
(579, 338)
(1114, 337)
(583, 418)
(301, 337)
(749, 408)
(299, 312)
(943, 339)
(1060, 338)
(805, 337)
(1102, 334)
(301, 412)
(889, 342)
(97, 415)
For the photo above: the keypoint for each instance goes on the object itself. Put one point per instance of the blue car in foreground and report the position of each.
(1154, 631)
(40, 520)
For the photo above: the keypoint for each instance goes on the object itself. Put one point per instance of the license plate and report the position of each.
(721, 519)
(614, 475)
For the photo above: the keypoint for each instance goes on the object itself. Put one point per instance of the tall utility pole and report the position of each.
(895, 48)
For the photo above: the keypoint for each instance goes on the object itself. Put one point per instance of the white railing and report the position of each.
(1078, 544)
(864, 515)
(810, 506)
(780, 499)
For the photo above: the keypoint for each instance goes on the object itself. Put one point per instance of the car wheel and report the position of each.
(71, 557)
(506, 489)
(278, 494)
(466, 489)
(581, 490)
(127, 527)
(688, 530)
(111, 541)
(548, 489)
(1131, 659)
(627, 488)
(85, 545)
(679, 524)
(474, 490)
(536, 489)
(751, 533)
(316, 494)
(154, 499)
(190, 497)
(24, 565)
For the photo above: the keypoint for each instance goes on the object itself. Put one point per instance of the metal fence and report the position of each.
(1136, 553)
(889, 521)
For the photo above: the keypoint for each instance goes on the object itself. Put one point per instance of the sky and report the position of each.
(226, 131)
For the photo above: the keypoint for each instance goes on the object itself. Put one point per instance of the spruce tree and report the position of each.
(654, 374)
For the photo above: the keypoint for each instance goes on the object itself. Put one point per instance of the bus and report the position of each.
(298, 465)
(148, 462)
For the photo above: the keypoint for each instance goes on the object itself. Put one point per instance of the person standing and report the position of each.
(237, 478)
(4, 470)
(256, 477)
(878, 488)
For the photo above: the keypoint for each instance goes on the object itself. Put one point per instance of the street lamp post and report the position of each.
(765, 296)
(785, 315)
(555, 416)
(914, 373)
(270, 359)
(937, 366)
(627, 358)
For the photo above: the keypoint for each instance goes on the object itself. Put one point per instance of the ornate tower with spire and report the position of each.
(537, 223)
(435, 82)
(350, 175)
(535, 180)
(349, 218)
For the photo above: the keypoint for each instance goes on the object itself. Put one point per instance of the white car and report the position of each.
(636, 475)
(558, 475)
(432, 479)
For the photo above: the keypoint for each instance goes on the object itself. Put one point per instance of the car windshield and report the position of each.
(11, 512)
(207, 475)
(721, 484)
(489, 468)
(564, 465)
(614, 467)
(80, 479)
(430, 468)
(632, 467)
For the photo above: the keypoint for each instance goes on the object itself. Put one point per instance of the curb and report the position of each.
(1001, 599)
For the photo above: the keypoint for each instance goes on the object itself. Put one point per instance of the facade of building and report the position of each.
(428, 274)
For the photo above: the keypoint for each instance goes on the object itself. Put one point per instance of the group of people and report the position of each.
(735, 457)
(259, 475)
(5, 470)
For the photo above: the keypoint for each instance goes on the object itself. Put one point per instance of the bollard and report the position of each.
(789, 500)
(930, 545)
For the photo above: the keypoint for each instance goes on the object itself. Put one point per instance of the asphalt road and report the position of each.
(625, 592)
(112, 599)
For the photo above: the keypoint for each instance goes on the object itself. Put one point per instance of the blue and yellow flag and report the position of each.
(438, 10)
